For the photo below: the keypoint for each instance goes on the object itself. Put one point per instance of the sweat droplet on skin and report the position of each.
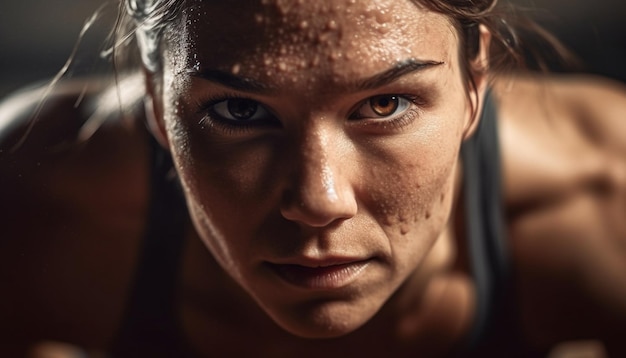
(383, 29)
(383, 17)
(235, 69)
(315, 61)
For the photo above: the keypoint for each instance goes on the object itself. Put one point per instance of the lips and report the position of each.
(321, 276)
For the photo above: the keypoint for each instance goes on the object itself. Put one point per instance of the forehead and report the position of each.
(298, 40)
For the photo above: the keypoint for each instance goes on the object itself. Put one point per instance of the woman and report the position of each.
(365, 177)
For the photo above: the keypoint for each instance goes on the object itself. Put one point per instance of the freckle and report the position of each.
(427, 216)
(442, 197)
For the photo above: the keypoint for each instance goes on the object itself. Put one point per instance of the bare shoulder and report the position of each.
(563, 140)
(596, 104)
(68, 140)
(569, 131)
(73, 202)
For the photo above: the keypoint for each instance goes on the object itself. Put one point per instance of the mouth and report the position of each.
(322, 276)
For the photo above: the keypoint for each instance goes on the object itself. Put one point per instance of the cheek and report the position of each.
(410, 188)
(414, 193)
(228, 181)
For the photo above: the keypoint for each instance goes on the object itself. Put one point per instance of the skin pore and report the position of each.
(317, 145)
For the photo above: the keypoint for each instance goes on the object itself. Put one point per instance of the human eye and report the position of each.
(231, 114)
(387, 107)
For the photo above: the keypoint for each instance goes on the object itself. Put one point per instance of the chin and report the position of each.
(324, 320)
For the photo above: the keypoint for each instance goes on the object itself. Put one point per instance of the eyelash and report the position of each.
(393, 121)
(215, 122)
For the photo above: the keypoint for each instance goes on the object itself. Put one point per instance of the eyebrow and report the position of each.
(246, 84)
(227, 79)
(399, 70)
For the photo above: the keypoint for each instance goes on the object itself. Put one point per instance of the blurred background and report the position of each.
(37, 36)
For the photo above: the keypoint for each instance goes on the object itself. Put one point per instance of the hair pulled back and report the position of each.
(517, 41)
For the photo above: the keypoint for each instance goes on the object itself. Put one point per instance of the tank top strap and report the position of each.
(150, 326)
(484, 217)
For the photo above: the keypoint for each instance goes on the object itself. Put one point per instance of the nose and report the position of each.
(320, 191)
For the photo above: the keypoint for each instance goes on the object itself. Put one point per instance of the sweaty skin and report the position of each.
(312, 185)
(317, 145)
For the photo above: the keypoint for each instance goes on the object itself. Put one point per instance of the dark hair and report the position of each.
(517, 41)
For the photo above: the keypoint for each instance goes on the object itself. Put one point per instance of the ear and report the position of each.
(479, 73)
(153, 104)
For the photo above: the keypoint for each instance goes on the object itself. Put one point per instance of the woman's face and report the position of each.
(317, 144)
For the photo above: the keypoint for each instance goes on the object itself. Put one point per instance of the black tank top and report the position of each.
(151, 327)
(496, 330)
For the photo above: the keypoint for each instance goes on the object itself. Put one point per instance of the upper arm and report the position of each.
(63, 200)
(564, 146)
(600, 107)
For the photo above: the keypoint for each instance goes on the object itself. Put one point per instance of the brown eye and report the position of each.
(384, 105)
(240, 109)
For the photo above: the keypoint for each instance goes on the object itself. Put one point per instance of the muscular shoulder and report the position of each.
(563, 141)
(70, 145)
(597, 105)
(73, 201)
(64, 113)
(560, 134)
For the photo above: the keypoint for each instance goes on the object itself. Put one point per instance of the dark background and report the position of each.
(37, 36)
